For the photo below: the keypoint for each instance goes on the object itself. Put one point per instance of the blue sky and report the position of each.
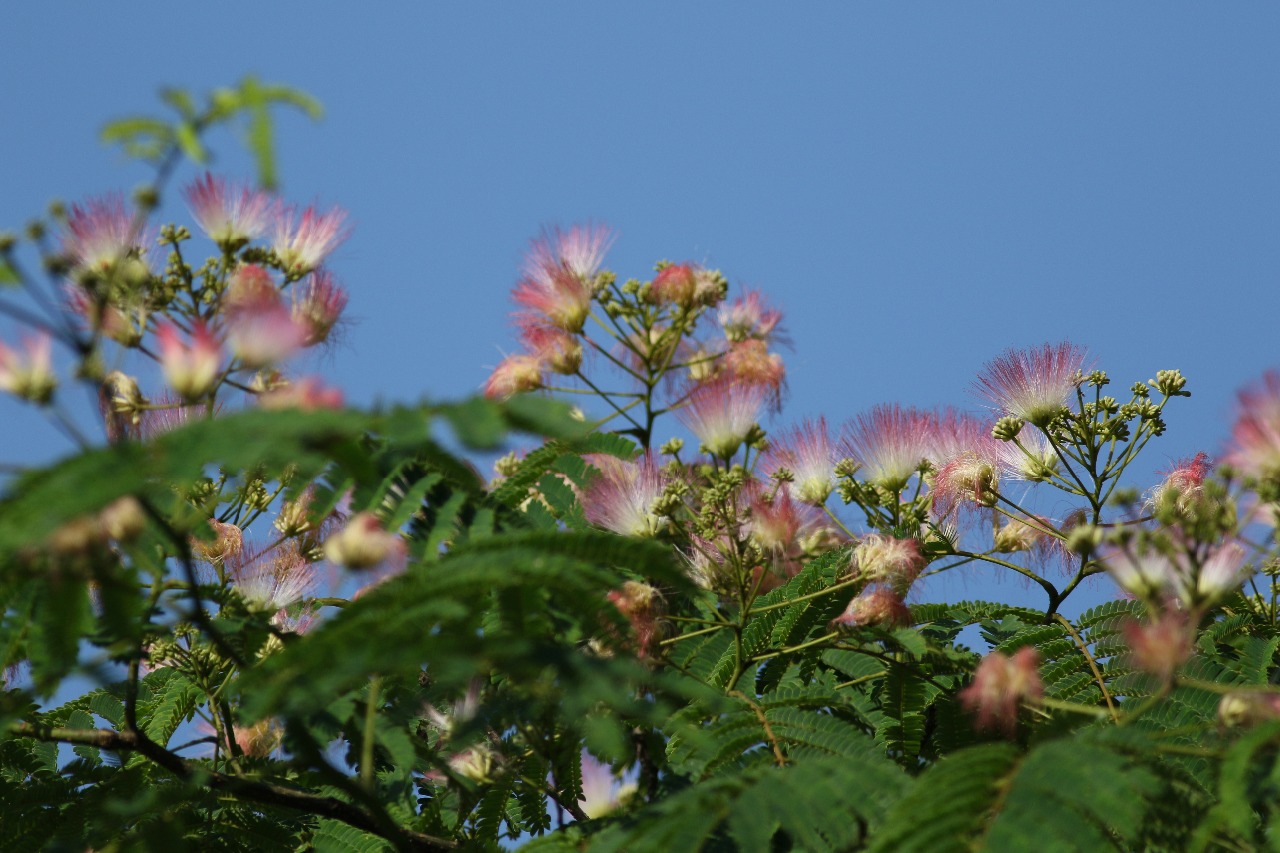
(919, 186)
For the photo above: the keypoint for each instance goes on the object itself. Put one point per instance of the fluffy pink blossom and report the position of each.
(1184, 482)
(230, 214)
(272, 578)
(970, 479)
(364, 543)
(1031, 457)
(514, 374)
(780, 527)
(602, 790)
(559, 275)
(28, 372)
(641, 604)
(1255, 437)
(101, 233)
(191, 369)
(674, 285)
(302, 246)
(264, 334)
(308, 394)
(896, 563)
(622, 497)
(1156, 577)
(890, 442)
(1000, 685)
(722, 414)
(807, 453)
(318, 303)
(878, 606)
(954, 432)
(1033, 384)
(749, 316)
(553, 347)
(749, 362)
(1162, 644)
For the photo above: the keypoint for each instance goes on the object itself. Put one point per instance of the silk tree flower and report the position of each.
(1255, 437)
(622, 496)
(641, 604)
(464, 710)
(308, 394)
(101, 234)
(119, 323)
(722, 414)
(953, 432)
(302, 246)
(1000, 684)
(230, 214)
(602, 790)
(226, 547)
(513, 375)
(807, 453)
(191, 369)
(890, 442)
(748, 317)
(318, 303)
(970, 479)
(28, 372)
(1033, 384)
(876, 606)
(1222, 573)
(676, 284)
(1162, 644)
(559, 275)
(553, 347)
(779, 527)
(271, 579)
(750, 363)
(1034, 461)
(363, 542)
(1150, 576)
(895, 563)
(1183, 484)
(264, 334)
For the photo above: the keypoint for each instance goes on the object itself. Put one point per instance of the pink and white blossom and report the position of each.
(556, 349)
(887, 560)
(890, 442)
(318, 303)
(271, 579)
(622, 497)
(722, 414)
(1033, 384)
(513, 375)
(304, 244)
(559, 275)
(1000, 685)
(876, 606)
(230, 214)
(749, 316)
(27, 372)
(101, 233)
(363, 543)
(1255, 437)
(806, 451)
(307, 394)
(192, 368)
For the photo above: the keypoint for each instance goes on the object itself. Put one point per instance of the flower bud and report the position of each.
(362, 543)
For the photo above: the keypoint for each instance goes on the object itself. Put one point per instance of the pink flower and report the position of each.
(317, 305)
(559, 275)
(513, 375)
(273, 578)
(722, 414)
(1031, 457)
(877, 606)
(363, 543)
(230, 214)
(165, 415)
(674, 285)
(641, 604)
(264, 334)
(553, 347)
(1033, 384)
(601, 789)
(28, 372)
(227, 546)
(972, 478)
(890, 442)
(101, 234)
(302, 247)
(622, 497)
(750, 363)
(806, 452)
(1183, 484)
(1000, 684)
(250, 286)
(308, 394)
(890, 561)
(1222, 572)
(749, 316)
(192, 370)
(954, 432)
(779, 526)
(1163, 644)
(1255, 437)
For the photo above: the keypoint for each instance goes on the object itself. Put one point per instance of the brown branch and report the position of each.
(254, 791)
(1093, 665)
(768, 729)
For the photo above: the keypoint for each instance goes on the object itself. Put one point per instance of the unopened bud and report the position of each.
(1170, 383)
(1007, 428)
